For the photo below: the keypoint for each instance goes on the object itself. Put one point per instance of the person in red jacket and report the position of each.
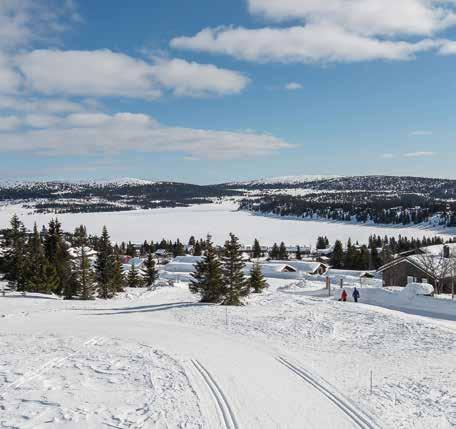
(343, 296)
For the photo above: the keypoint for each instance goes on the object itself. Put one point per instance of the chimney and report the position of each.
(446, 251)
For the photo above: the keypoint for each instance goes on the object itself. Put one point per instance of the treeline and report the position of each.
(356, 206)
(60, 197)
(52, 262)
(378, 252)
(59, 207)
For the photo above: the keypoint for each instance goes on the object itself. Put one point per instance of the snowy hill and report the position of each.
(284, 180)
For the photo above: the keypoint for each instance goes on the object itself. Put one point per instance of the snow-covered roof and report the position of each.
(187, 259)
(304, 266)
(350, 273)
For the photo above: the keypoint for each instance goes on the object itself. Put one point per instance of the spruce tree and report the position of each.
(118, 279)
(256, 280)
(234, 282)
(283, 254)
(36, 264)
(337, 257)
(133, 277)
(14, 258)
(197, 250)
(149, 271)
(85, 276)
(105, 266)
(207, 277)
(256, 249)
(274, 253)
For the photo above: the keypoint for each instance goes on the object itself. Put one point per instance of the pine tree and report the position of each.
(36, 264)
(337, 257)
(256, 280)
(234, 283)
(197, 251)
(85, 276)
(56, 251)
(118, 279)
(105, 266)
(133, 278)
(178, 249)
(149, 271)
(256, 249)
(207, 278)
(274, 253)
(283, 254)
(14, 258)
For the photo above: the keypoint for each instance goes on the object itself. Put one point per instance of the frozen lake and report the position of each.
(217, 220)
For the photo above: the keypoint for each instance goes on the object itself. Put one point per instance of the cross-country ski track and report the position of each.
(151, 361)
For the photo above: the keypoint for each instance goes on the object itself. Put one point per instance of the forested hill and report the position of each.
(439, 188)
(63, 197)
(377, 199)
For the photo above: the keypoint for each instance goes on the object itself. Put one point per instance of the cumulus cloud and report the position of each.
(107, 73)
(9, 123)
(90, 133)
(368, 17)
(293, 86)
(387, 156)
(302, 44)
(194, 79)
(25, 21)
(333, 30)
(86, 73)
(418, 154)
(421, 133)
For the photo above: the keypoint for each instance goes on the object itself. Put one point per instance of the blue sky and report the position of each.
(211, 91)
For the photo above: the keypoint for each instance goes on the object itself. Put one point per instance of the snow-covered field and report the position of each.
(159, 359)
(217, 220)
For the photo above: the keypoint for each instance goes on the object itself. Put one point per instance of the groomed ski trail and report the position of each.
(363, 422)
(223, 405)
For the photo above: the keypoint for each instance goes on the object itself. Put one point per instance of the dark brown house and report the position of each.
(406, 270)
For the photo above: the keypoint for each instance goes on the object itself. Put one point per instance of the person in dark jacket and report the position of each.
(356, 295)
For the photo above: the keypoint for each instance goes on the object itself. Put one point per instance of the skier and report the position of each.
(356, 295)
(343, 296)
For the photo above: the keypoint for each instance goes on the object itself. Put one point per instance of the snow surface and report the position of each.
(215, 219)
(139, 361)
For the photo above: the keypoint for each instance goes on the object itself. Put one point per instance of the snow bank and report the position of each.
(418, 289)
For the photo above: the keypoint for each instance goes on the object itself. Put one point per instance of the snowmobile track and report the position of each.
(220, 398)
(356, 416)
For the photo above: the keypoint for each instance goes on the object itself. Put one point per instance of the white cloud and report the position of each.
(106, 73)
(193, 79)
(301, 44)
(368, 17)
(91, 133)
(387, 156)
(10, 81)
(421, 133)
(41, 121)
(87, 73)
(293, 86)
(419, 154)
(8, 123)
(448, 47)
(43, 105)
(25, 21)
